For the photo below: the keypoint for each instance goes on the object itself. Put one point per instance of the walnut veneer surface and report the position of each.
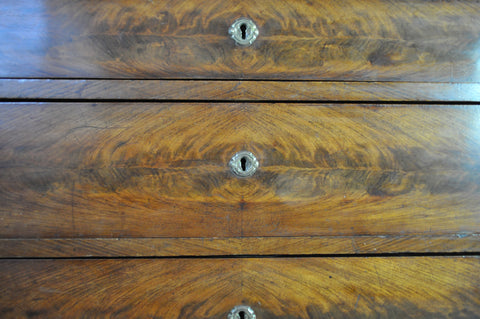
(118, 120)
(407, 40)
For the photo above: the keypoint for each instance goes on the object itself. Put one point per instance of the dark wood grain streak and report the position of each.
(237, 90)
(427, 287)
(385, 40)
(172, 247)
(144, 170)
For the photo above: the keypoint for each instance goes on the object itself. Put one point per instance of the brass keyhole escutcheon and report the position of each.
(243, 31)
(242, 312)
(243, 164)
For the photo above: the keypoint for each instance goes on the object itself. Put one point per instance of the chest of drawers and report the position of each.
(122, 125)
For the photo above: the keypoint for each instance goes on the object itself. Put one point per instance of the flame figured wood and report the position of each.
(237, 246)
(138, 170)
(237, 91)
(151, 179)
(280, 288)
(386, 40)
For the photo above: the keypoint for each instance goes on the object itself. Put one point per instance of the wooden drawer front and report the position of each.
(407, 287)
(161, 170)
(374, 40)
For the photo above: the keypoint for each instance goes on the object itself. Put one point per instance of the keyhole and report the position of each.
(243, 28)
(243, 163)
(242, 312)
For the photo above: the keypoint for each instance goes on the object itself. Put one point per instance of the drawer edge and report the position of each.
(231, 90)
(235, 246)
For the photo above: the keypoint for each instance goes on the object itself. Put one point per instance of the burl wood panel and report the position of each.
(229, 90)
(372, 40)
(406, 287)
(160, 170)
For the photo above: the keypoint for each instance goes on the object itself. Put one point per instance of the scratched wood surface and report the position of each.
(234, 90)
(408, 287)
(406, 40)
(108, 170)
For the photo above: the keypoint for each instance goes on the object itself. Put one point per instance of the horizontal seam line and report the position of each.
(240, 256)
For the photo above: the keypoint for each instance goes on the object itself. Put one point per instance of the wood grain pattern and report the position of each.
(426, 287)
(143, 170)
(204, 90)
(385, 40)
(174, 247)
(363, 288)
(118, 288)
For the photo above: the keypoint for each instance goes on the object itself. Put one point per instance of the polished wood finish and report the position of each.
(426, 287)
(211, 90)
(118, 288)
(236, 246)
(118, 119)
(108, 170)
(387, 40)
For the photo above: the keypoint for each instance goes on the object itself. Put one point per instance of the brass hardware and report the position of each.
(243, 31)
(242, 312)
(243, 164)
